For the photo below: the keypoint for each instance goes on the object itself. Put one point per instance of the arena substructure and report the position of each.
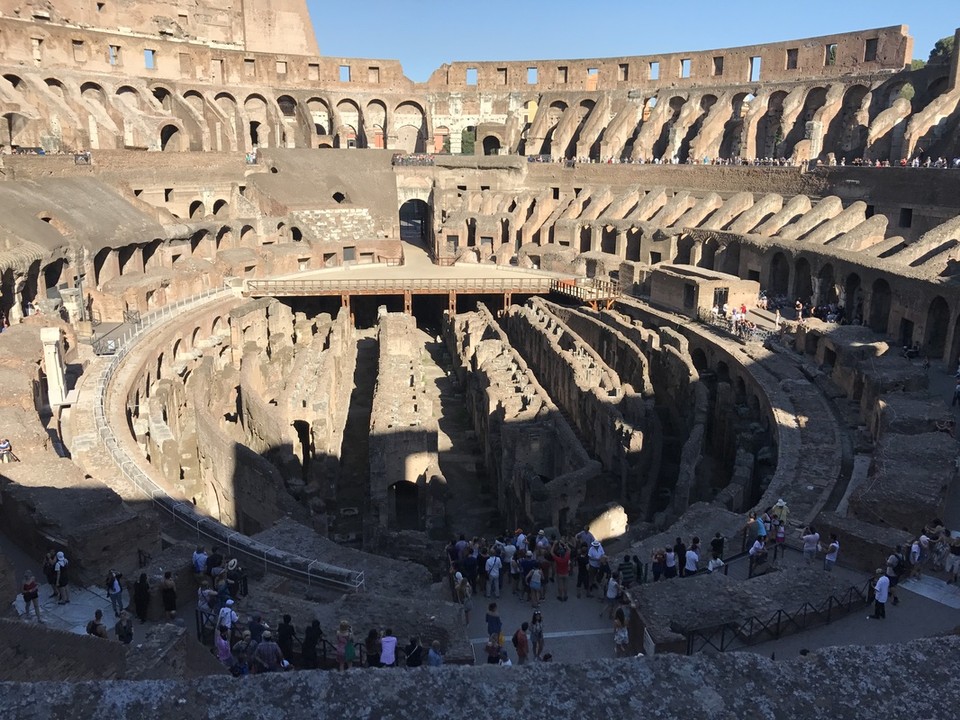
(326, 319)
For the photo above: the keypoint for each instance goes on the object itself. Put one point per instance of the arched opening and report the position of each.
(255, 133)
(129, 96)
(170, 139)
(816, 99)
(935, 330)
(220, 206)
(411, 123)
(769, 127)
(853, 298)
(491, 145)
(415, 222)
(847, 134)
(296, 234)
(731, 143)
(224, 238)
(92, 91)
(730, 263)
(699, 359)
(53, 273)
(339, 198)
(827, 290)
(803, 280)
(779, 277)
(879, 305)
(247, 235)
(288, 106)
(162, 96)
(350, 130)
(197, 210)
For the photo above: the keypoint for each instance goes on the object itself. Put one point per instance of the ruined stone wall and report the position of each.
(894, 51)
(540, 469)
(403, 429)
(610, 415)
(818, 687)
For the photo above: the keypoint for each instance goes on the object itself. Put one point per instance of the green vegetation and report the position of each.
(917, 64)
(468, 140)
(942, 51)
(907, 92)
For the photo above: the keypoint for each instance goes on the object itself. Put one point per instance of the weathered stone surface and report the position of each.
(835, 682)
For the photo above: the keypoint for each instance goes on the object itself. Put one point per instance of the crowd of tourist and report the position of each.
(528, 566)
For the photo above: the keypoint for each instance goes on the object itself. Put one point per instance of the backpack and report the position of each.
(92, 627)
(516, 643)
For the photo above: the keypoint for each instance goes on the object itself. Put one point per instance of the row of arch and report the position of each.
(738, 130)
(875, 302)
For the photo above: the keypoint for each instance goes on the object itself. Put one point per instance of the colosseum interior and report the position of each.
(327, 318)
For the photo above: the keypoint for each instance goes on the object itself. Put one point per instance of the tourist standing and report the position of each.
(63, 588)
(811, 542)
(536, 634)
(141, 597)
(561, 561)
(880, 592)
(115, 592)
(388, 649)
(345, 648)
(31, 595)
(493, 567)
(830, 559)
(168, 594)
(521, 643)
(434, 656)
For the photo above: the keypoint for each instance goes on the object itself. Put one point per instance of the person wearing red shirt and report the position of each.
(561, 563)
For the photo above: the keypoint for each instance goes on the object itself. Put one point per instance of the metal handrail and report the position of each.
(753, 628)
(338, 286)
(278, 561)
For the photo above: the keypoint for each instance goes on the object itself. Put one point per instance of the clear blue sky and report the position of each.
(424, 34)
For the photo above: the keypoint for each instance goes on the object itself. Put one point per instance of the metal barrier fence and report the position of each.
(388, 286)
(313, 572)
(754, 629)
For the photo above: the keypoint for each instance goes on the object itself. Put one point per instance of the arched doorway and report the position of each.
(779, 278)
(170, 140)
(935, 330)
(879, 305)
(803, 280)
(491, 145)
(853, 298)
(827, 288)
(415, 224)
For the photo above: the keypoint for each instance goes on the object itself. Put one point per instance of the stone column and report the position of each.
(53, 365)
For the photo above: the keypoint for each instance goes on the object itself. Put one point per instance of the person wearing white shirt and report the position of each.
(830, 559)
(493, 567)
(692, 560)
(880, 592)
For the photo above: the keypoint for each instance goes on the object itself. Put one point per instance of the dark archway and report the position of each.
(827, 290)
(779, 278)
(936, 328)
(880, 296)
(803, 280)
(415, 226)
(491, 145)
(197, 209)
(170, 139)
(853, 298)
